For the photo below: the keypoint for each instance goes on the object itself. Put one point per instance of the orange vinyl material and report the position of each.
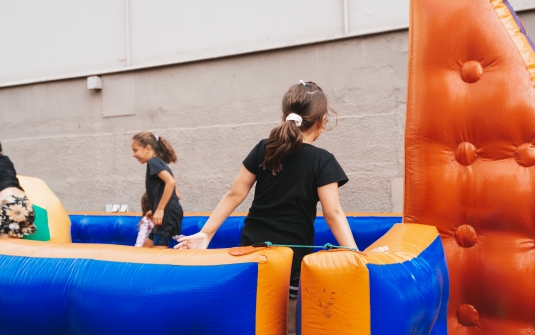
(335, 284)
(335, 294)
(41, 195)
(470, 156)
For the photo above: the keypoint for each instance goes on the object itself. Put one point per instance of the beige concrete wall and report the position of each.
(213, 113)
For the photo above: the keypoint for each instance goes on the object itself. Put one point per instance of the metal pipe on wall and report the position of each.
(346, 17)
(127, 28)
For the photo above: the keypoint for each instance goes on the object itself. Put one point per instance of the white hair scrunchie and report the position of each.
(157, 137)
(296, 118)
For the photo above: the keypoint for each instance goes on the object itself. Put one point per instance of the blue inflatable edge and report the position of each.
(404, 296)
(122, 230)
(84, 296)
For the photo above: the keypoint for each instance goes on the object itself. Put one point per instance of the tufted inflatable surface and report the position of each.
(60, 288)
(399, 285)
(470, 156)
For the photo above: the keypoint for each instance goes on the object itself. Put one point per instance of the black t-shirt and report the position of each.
(8, 175)
(155, 186)
(284, 205)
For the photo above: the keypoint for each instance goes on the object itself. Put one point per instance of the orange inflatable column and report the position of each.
(470, 156)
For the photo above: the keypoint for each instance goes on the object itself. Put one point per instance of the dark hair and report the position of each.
(161, 147)
(1, 153)
(145, 205)
(311, 104)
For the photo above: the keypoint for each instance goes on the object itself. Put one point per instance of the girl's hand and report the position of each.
(195, 241)
(149, 215)
(157, 217)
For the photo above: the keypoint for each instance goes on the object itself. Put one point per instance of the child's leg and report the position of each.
(292, 313)
(161, 240)
(295, 277)
(292, 303)
(171, 225)
(148, 243)
(149, 240)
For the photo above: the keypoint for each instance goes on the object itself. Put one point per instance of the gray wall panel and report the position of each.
(213, 113)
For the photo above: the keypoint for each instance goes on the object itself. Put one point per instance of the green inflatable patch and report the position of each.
(41, 222)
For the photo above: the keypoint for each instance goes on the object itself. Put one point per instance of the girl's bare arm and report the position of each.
(168, 190)
(335, 216)
(232, 199)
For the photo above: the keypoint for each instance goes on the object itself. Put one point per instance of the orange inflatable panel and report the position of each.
(398, 285)
(470, 156)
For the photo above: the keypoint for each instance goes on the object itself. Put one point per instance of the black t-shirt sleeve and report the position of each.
(255, 157)
(331, 172)
(156, 165)
(8, 175)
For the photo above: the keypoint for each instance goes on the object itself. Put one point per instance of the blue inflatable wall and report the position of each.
(122, 229)
(94, 289)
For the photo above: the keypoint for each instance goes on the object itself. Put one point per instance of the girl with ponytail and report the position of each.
(160, 185)
(291, 176)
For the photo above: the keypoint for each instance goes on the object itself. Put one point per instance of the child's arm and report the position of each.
(232, 199)
(178, 195)
(335, 216)
(143, 227)
(168, 190)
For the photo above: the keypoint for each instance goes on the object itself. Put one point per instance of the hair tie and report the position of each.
(157, 137)
(296, 118)
(302, 82)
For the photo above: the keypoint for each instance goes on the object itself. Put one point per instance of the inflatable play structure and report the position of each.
(399, 285)
(470, 156)
(460, 263)
(109, 228)
(51, 219)
(100, 284)
(52, 288)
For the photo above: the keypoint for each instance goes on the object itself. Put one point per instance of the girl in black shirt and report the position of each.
(291, 176)
(16, 212)
(160, 185)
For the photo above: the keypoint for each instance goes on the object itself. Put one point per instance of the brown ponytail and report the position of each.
(311, 104)
(161, 147)
(283, 141)
(1, 152)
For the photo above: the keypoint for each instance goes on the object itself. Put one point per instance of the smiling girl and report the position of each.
(160, 186)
